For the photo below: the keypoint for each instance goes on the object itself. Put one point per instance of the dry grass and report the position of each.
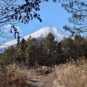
(66, 75)
(43, 70)
(71, 74)
(13, 76)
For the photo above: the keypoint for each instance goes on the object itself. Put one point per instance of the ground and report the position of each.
(38, 80)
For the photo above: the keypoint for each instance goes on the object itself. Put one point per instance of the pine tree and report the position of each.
(49, 46)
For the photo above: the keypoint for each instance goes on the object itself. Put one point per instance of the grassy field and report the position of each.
(72, 74)
(65, 75)
(13, 76)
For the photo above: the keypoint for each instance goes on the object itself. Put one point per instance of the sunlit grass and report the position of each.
(71, 74)
(13, 76)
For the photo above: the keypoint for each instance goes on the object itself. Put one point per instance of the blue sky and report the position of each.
(52, 14)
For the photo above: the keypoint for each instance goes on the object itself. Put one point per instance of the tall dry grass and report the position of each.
(13, 76)
(71, 74)
(67, 75)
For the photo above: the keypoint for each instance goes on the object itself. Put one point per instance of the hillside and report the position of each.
(40, 33)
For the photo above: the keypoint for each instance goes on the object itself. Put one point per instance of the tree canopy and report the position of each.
(78, 10)
(12, 12)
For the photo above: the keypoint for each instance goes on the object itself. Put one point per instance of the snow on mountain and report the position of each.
(41, 33)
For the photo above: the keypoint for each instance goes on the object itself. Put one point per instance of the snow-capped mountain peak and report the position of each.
(41, 33)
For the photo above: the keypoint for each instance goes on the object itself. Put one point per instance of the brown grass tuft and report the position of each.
(13, 76)
(72, 74)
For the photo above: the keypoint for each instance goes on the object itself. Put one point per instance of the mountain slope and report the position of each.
(41, 33)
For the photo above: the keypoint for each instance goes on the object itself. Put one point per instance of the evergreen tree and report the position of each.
(32, 53)
(49, 46)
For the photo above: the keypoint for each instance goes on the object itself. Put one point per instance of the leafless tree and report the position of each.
(11, 12)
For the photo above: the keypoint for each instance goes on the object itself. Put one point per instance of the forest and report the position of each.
(45, 51)
(44, 62)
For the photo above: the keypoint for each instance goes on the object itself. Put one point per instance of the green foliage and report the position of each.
(49, 47)
(46, 51)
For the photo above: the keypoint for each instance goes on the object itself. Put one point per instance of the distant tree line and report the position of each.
(47, 51)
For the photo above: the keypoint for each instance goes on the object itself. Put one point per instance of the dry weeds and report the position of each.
(67, 75)
(13, 76)
(71, 74)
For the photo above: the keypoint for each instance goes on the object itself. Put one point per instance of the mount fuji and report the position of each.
(41, 33)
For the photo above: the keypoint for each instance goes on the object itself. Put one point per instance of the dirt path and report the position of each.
(42, 80)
